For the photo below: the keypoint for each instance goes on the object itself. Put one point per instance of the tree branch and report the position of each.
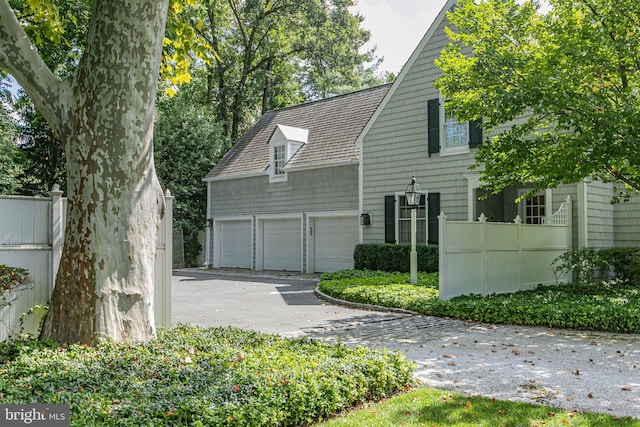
(620, 177)
(20, 58)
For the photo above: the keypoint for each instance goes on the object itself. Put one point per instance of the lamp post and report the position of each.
(413, 201)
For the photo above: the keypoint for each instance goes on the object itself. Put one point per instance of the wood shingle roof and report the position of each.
(334, 124)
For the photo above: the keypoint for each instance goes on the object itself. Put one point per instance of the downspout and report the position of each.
(360, 147)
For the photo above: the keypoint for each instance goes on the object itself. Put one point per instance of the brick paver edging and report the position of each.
(358, 305)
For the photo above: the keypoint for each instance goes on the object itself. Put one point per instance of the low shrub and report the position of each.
(200, 377)
(598, 307)
(388, 257)
(595, 266)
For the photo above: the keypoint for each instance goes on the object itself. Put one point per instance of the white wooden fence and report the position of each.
(485, 257)
(31, 237)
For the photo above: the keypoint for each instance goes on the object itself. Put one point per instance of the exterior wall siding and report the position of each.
(334, 188)
(559, 195)
(395, 148)
(600, 215)
(626, 223)
(313, 190)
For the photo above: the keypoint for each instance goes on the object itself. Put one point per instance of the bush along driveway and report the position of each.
(592, 307)
(194, 376)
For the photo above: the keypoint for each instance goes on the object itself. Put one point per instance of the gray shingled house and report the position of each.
(286, 196)
(412, 133)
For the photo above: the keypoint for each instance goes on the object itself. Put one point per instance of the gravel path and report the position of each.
(582, 371)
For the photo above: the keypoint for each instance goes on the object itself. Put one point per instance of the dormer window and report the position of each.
(279, 159)
(283, 145)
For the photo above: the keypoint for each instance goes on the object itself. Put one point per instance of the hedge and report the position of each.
(388, 257)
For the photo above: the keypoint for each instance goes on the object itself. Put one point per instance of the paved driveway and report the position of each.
(281, 304)
(574, 370)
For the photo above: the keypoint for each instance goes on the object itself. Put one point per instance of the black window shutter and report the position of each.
(389, 219)
(475, 133)
(433, 125)
(433, 210)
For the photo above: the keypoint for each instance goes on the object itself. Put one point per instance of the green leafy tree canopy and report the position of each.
(558, 91)
(10, 159)
(187, 143)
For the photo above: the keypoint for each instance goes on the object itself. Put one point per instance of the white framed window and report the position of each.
(404, 220)
(454, 135)
(279, 156)
(535, 209)
(284, 144)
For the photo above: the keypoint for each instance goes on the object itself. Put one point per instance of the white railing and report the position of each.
(486, 257)
(31, 237)
(562, 215)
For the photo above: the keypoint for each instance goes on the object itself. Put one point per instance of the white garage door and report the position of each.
(235, 244)
(335, 240)
(282, 244)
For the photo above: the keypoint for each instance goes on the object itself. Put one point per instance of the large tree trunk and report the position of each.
(104, 286)
(104, 115)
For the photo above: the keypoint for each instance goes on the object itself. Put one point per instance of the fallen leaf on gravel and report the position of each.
(576, 372)
(590, 395)
(569, 399)
(516, 352)
(447, 356)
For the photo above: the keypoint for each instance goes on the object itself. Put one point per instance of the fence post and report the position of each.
(168, 261)
(569, 222)
(57, 235)
(518, 222)
(442, 284)
(484, 279)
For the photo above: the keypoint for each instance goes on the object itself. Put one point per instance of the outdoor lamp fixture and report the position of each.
(412, 193)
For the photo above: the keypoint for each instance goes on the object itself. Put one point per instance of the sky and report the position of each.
(397, 26)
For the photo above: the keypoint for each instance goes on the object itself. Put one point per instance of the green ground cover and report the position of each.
(594, 306)
(200, 377)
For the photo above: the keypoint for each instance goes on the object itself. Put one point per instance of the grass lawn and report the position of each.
(429, 407)
(604, 307)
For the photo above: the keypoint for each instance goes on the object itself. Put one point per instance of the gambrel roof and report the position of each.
(334, 124)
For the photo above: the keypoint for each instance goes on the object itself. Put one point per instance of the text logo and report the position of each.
(34, 415)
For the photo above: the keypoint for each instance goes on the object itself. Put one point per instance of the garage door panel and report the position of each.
(235, 244)
(335, 240)
(282, 244)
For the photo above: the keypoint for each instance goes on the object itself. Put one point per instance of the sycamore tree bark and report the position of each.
(104, 116)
